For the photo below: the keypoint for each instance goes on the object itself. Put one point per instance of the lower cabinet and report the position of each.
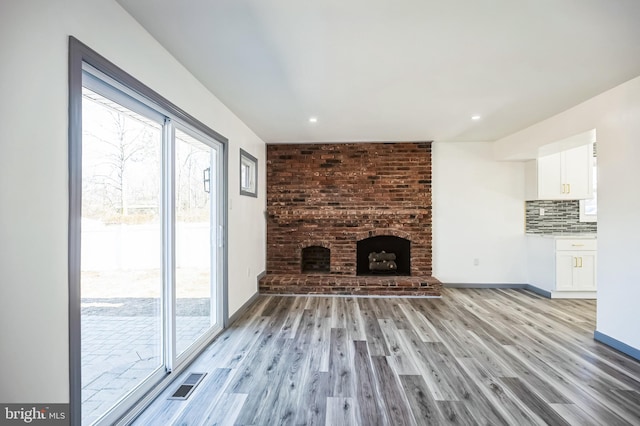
(576, 270)
(563, 267)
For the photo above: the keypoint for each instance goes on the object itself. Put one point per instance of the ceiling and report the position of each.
(407, 70)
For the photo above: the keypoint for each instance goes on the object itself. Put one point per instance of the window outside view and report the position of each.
(246, 176)
(589, 208)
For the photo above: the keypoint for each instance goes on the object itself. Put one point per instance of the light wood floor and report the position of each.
(491, 357)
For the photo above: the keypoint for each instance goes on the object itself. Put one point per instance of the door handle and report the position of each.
(220, 236)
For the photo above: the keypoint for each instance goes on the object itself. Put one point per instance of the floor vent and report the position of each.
(187, 387)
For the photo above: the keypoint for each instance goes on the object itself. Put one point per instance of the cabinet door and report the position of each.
(550, 177)
(585, 272)
(577, 166)
(565, 265)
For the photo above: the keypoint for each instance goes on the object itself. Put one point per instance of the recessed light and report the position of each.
(313, 119)
(475, 117)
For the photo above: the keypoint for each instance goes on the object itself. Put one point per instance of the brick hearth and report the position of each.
(334, 195)
(336, 284)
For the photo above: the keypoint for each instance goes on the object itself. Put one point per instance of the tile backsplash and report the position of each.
(560, 217)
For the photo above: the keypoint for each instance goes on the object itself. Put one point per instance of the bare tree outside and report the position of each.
(117, 186)
(192, 188)
(115, 183)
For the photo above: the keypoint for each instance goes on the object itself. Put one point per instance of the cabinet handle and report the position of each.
(581, 261)
(568, 188)
(564, 188)
(577, 245)
(575, 262)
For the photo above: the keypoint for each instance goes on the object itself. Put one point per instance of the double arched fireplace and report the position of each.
(374, 256)
(349, 218)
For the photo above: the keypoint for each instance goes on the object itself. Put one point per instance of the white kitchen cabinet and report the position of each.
(563, 267)
(576, 270)
(567, 175)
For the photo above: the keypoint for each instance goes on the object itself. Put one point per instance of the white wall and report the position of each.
(478, 213)
(615, 115)
(34, 177)
(619, 217)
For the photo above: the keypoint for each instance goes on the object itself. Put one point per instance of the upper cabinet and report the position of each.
(567, 175)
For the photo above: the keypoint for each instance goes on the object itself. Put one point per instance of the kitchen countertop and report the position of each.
(565, 236)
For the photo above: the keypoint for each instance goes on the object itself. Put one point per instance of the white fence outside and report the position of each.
(135, 247)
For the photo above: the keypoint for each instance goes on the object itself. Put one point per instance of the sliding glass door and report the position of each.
(150, 240)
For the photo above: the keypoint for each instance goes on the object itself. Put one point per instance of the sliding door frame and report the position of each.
(80, 54)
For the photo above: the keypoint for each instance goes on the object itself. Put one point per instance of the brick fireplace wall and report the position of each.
(332, 196)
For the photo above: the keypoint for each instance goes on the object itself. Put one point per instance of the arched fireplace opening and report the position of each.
(316, 259)
(382, 255)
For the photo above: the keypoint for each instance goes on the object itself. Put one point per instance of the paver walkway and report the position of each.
(121, 346)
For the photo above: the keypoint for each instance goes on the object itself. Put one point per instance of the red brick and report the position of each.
(332, 195)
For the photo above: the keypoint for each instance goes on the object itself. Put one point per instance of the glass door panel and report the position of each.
(121, 260)
(195, 195)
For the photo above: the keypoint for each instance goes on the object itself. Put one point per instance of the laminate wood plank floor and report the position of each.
(473, 357)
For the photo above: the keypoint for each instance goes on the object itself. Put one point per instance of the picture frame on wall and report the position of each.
(248, 174)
